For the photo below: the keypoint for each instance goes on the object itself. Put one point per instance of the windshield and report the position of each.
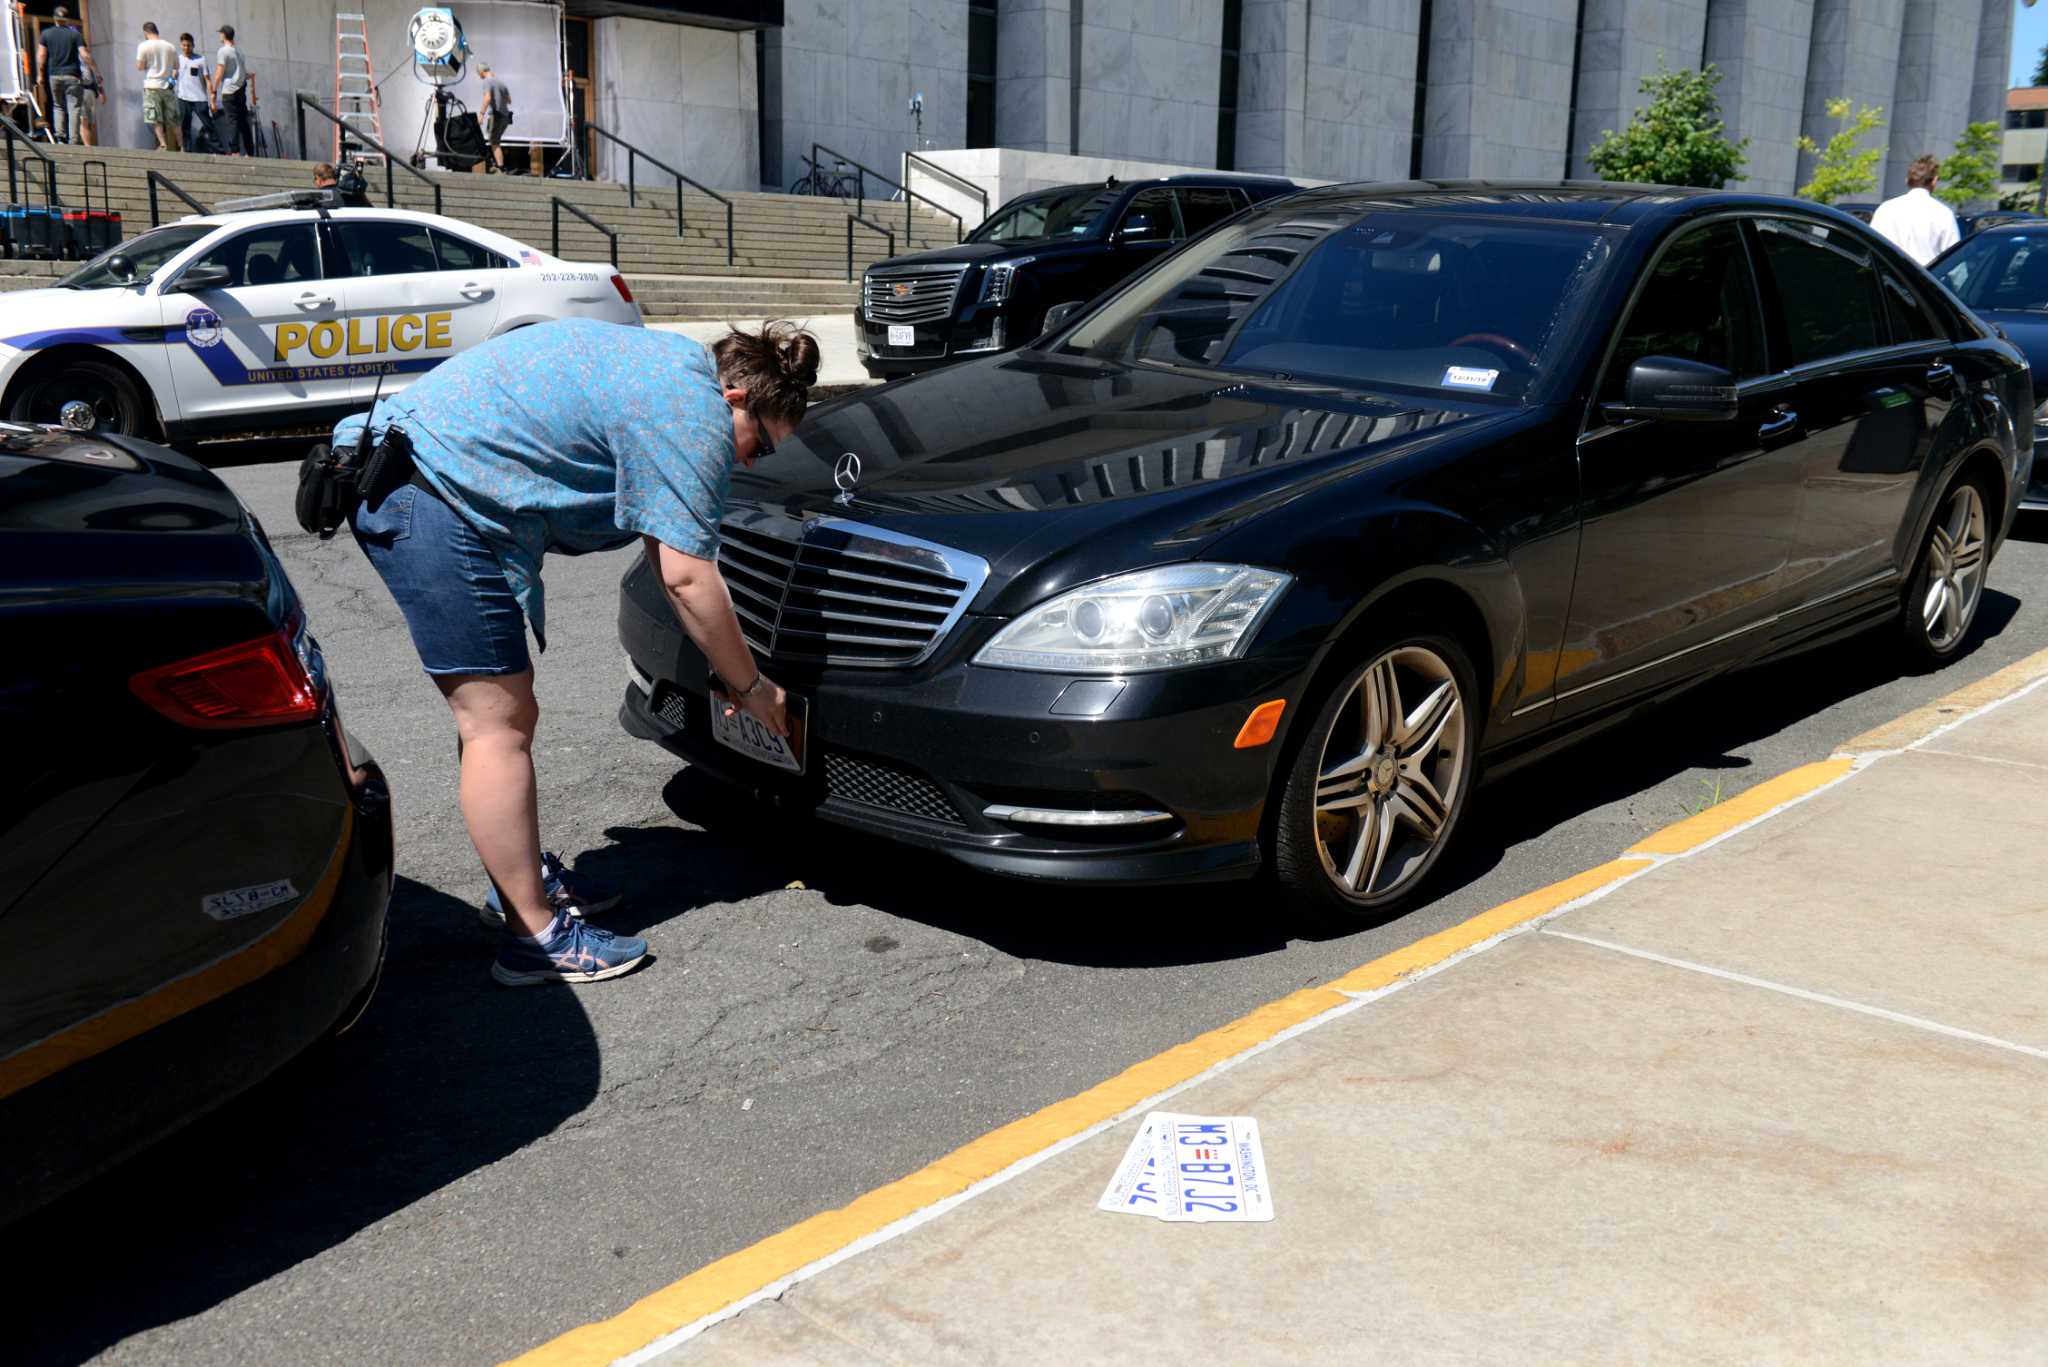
(1438, 304)
(1063, 213)
(145, 253)
(1999, 271)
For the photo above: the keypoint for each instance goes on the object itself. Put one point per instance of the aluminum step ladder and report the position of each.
(355, 90)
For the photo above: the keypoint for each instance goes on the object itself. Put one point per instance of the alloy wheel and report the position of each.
(1952, 577)
(1392, 772)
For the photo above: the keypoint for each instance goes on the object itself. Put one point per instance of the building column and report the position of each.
(1618, 47)
(1937, 65)
(1272, 87)
(1498, 104)
(1760, 47)
(1854, 55)
(1034, 77)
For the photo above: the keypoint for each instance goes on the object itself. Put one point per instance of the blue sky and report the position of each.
(2029, 33)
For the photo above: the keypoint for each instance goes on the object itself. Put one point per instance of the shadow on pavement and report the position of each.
(741, 849)
(446, 1073)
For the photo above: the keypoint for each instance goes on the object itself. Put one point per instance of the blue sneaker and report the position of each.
(579, 953)
(578, 899)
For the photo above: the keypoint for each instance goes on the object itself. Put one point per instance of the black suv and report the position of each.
(1046, 248)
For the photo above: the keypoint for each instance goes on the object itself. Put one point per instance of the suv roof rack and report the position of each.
(328, 198)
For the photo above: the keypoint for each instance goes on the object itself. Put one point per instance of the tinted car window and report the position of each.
(1439, 304)
(1911, 322)
(1826, 290)
(385, 247)
(1150, 218)
(2000, 271)
(275, 255)
(1064, 213)
(1203, 208)
(458, 255)
(1699, 303)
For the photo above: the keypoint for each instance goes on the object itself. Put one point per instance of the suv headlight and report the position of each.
(1153, 619)
(997, 279)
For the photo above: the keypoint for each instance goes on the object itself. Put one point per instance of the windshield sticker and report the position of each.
(1469, 377)
(227, 906)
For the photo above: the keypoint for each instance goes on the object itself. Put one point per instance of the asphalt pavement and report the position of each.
(475, 1170)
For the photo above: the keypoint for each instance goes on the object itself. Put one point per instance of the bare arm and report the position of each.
(697, 592)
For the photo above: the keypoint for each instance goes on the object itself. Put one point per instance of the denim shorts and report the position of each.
(461, 611)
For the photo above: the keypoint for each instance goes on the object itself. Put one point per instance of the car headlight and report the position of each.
(1153, 619)
(997, 279)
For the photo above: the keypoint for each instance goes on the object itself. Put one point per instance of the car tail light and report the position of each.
(619, 284)
(264, 682)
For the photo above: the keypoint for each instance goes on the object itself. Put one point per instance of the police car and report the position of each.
(285, 314)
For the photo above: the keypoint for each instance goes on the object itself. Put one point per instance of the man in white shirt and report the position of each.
(1916, 222)
(195, 121)
(157, 61)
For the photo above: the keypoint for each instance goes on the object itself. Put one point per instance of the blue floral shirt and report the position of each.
(571, 436)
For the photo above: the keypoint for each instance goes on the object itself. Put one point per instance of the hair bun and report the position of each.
(796, 351)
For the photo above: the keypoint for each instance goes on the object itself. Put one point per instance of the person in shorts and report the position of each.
(569, 436)
(157, 60)
(497, 114)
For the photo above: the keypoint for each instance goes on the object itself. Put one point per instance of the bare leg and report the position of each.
(495, 716)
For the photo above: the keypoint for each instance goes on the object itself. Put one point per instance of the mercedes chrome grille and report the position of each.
(833, 592)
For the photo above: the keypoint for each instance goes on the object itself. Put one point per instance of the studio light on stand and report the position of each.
(440, 55)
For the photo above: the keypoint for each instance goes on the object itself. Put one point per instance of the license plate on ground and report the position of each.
(902, 334)
(742, 733)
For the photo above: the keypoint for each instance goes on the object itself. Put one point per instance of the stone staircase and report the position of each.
(792, 240)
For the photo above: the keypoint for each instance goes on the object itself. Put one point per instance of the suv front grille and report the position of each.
(873, 784)
(910, 294)
(838, 593)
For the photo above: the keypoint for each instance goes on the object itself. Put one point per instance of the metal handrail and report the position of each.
(861, 196)
(954, 176)
(555, 247)
(157, 178)
(632, 199)
(49, 162)
(305, 102)
(852, 219)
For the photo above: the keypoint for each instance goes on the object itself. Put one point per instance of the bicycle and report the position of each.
(841, 181)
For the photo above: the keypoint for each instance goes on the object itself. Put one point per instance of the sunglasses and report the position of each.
(765, 444)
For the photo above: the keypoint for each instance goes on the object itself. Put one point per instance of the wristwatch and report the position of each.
(760, 682)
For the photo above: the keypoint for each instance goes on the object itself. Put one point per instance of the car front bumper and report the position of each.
(965, 335)
(943, 757)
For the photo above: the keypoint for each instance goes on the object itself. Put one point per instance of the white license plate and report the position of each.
(742, 733)
(902, 334)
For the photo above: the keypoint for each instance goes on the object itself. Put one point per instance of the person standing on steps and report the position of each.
(195, 119)
(497, 114)
(232, 85)
(157, 60)
(62, 61)
(569, 436)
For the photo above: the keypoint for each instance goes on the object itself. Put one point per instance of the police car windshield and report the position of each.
(143, 257)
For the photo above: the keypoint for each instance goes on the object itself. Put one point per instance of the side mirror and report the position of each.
(1672, 389)
(1056, 316)
(121, 268)
(205, 276)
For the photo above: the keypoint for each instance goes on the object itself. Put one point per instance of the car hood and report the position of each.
(78, 490)
(987, 253)
(1029, 456)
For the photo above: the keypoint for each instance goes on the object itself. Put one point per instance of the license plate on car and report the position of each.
(902, 334)
(742, 733)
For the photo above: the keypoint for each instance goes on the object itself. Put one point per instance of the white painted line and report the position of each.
(1897, 1018)
(1989, 759)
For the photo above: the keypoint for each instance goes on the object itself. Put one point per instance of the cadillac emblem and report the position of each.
(900, 290)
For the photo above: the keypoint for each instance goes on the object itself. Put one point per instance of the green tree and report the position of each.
(1676, 139)
(1971, 175)
(2041, 68)
(1844, 167)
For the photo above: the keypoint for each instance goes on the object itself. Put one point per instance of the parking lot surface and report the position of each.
(474, 1170)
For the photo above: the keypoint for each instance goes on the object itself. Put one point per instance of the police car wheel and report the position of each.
(86, 396)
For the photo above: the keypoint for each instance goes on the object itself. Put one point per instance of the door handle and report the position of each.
(1941, 374)
(472, 290)
(310, 300)
(1781, 423)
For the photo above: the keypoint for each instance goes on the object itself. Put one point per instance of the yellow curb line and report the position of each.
(738, 1275)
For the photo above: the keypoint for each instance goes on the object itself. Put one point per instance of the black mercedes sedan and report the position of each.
(1035, 253)
(195, 859)
(1266, 559)
(2002, 274)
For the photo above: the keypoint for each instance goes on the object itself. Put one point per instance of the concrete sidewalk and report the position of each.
(1777, 1092)
(839, 367)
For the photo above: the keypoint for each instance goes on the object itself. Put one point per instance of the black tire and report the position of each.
(1401, 862)
(116, 403)
(800, 186)
(1944, 587)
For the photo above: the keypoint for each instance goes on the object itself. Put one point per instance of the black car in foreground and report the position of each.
(195, 860)
(1038, 251)
(1266, 559)
(2002, 274)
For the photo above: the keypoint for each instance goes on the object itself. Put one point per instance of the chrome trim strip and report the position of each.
(637, 679)
(1869, 583)
(1055, 816)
